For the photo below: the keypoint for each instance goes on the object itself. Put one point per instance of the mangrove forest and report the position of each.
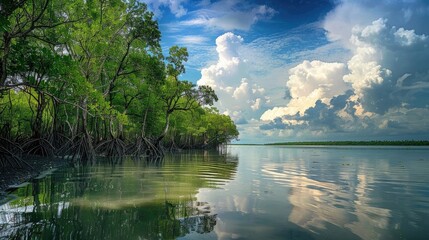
(85, 78)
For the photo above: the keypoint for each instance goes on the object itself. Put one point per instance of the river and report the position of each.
(244, 192)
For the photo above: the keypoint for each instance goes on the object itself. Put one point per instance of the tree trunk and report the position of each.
(143, 132)
(88, 154)
(167, 125)
(4, 58)
(84, 117)
(37, 124)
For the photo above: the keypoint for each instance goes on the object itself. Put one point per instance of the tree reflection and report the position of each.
(129, 199)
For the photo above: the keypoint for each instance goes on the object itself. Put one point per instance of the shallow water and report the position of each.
(249, 192)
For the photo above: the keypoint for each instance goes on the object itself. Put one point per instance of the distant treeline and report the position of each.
(359, 143)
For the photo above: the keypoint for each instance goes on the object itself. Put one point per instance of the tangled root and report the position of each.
(58, 140)
(10, 154)
(79, 149)
(39, 146)
(112, 148)
(144, 147)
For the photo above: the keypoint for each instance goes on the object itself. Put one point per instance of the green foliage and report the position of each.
(208, 129)
(178, 56)
(96, 69)
(16, 114)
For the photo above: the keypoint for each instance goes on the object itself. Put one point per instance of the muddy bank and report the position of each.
(11, 176)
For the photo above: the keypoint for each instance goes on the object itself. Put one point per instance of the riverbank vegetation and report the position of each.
(81, 78)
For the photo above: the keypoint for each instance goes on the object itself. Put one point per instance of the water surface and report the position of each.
(249, 192)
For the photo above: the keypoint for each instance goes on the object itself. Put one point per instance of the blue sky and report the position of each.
(303, 70)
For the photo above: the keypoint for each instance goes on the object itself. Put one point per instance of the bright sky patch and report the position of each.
(308, 70)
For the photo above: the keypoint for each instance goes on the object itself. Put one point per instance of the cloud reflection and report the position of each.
(317, 205)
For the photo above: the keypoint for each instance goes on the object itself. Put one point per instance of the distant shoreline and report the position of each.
(346, 143)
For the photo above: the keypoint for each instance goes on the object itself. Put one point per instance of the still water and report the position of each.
(247, 192)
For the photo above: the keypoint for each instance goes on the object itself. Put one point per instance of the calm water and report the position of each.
(250, 192)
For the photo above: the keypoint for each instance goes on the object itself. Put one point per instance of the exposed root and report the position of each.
(112, 148)
(138, 148)
(173, 147)
(144, 147)
(10, 154)
(39, 146)
(58, 140)
(79, 149)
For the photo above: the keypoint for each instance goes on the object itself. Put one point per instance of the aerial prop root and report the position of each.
(144, 147)
(114, 147)
(79, 148)
(10, 154)
(41, 146)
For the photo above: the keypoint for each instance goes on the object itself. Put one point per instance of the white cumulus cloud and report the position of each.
(378, 91)
(371, 79)
(365, 70)
(408, 37)
(240, 93)
(309, 82)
